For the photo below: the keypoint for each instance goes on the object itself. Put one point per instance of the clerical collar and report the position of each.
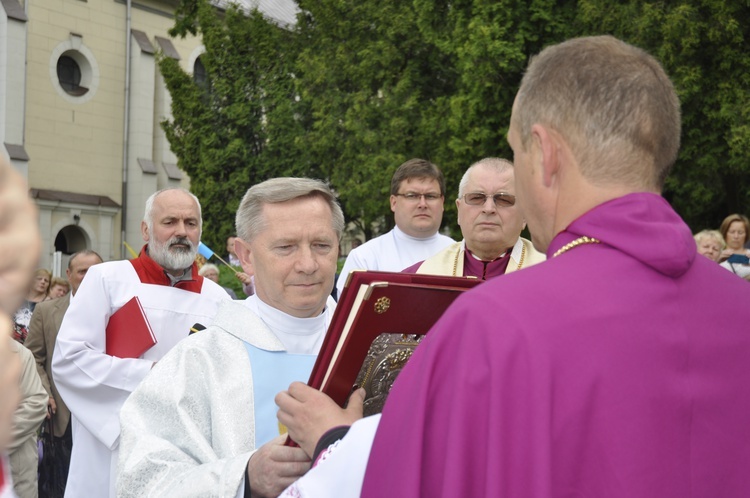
(278, 321)
(500, 256)
(298, 335)
(400, 233)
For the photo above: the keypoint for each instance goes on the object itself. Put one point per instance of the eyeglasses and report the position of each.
(501, 199)
(415, 197)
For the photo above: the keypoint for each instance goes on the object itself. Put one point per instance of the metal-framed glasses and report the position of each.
(502, 199)
(415, 197)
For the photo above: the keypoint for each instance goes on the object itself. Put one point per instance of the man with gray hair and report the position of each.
(204, 422)
(94, 384)
(491, 223)
(43, 330)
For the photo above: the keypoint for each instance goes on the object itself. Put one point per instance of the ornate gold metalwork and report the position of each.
(578, 242)
(382, 305)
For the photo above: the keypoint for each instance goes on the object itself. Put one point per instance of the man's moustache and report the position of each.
(184, 242)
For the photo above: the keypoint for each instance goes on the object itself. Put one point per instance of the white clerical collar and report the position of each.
(298, 335)
(403, 235)
(278, 321)
(463, 246)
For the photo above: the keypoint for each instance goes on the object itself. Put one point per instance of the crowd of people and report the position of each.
(728, 246)
(602, 356)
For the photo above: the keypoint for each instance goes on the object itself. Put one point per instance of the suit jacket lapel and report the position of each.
(60, 308)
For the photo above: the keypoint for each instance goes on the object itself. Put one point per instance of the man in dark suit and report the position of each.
(43, 328)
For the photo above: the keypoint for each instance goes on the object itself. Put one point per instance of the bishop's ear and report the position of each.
(547, 144)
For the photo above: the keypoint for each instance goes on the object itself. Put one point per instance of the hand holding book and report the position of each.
(308, 413)
(128, 332)
(380, 319)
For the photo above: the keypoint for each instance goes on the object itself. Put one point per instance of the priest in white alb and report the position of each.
(94, 384)
(203, 423)
(417, 200)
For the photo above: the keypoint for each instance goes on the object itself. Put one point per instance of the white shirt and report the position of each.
(393, 251)
(298, 335)
(736, 268)
(93, 384)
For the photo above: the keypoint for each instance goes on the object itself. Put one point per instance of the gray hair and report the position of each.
(498, 164)
(250, 222)
(84, 252)
(147, 215)
(207, 266)
(613, 103)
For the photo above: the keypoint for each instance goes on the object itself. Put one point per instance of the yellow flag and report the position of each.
(130, 250)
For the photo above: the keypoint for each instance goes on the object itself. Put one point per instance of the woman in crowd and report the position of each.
(736, 229)
(57, 288)
(211, 272)
(36, 294)
(710, 244)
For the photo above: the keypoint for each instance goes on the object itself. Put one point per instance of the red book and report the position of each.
(375, 303)
(129, 334)
(393, 310)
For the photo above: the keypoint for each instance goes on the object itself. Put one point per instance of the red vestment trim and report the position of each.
(150, 272)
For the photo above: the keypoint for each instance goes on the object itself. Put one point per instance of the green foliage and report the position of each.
(358, 87)
(703, 45)
(240, 128)
(369, 80)
(391, 80)
(227, 278)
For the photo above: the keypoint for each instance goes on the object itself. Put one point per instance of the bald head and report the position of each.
(488, 215)
(78, 266)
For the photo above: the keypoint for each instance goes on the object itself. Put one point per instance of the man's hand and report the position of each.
(52, 407)
(308, 413)
(243, 277)
(19, 237)
(10, 370)
(274, 467)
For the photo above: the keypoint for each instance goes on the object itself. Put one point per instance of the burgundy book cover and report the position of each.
(415, 303)
(129, 334)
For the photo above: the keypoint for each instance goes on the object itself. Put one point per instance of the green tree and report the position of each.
(489, 43)
(391, 80)
(371, 83)
(240, 127)
(703, 45)
(357, 87)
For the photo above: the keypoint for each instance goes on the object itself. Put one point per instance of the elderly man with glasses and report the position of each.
(491, 224)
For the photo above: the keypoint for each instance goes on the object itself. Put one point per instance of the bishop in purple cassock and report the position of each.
(618, 368)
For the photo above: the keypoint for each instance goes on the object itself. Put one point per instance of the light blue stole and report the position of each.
(273, 371)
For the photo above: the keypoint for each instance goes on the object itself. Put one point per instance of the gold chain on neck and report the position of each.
(578, 242)
(520, 263)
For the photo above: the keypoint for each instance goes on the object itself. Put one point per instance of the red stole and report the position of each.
(150, 272)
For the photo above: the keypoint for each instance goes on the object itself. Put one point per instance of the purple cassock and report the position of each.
(618, 369)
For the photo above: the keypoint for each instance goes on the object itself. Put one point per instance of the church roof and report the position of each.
(282, 11)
